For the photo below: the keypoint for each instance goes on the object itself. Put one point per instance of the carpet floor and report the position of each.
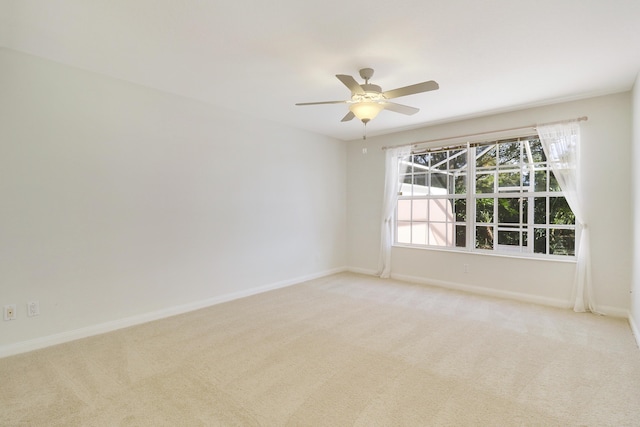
(344, 350)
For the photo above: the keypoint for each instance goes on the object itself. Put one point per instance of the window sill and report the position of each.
(517, 255)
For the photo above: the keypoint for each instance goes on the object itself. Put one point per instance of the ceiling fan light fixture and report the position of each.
(366, 111)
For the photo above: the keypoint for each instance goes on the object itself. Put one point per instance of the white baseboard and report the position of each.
(635, 329)
(517, 296)
(608, 310)
(364, 271)
(478, 290)
(60, 338)
(470, 288)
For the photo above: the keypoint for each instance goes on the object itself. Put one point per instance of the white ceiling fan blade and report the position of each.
(399, 108)
(410, 90)
(348, 117)
(323, 102)
(351, 83)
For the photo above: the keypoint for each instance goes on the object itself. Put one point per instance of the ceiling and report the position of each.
(261, 57)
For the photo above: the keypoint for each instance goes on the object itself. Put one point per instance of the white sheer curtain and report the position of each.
(561, 145)
(393, 169)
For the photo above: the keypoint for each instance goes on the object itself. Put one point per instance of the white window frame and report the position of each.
(526, 227)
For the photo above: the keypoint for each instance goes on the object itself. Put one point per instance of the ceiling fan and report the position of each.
(367, 99)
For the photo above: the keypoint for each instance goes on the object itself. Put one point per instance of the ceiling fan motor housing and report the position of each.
(369, 88)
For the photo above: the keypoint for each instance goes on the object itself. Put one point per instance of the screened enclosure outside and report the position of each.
(499, 196)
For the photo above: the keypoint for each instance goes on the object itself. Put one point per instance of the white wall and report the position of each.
(606, 163)
(119, 200)
(634, 316)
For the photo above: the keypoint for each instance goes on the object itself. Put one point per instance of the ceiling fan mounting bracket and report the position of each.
(366, 74)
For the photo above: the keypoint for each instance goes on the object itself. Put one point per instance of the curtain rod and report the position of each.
(533, 127)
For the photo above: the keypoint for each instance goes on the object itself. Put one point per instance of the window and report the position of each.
(499, 196)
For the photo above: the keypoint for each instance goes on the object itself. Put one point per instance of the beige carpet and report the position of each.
(339, 351)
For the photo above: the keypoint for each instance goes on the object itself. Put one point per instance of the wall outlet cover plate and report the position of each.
(9, 312)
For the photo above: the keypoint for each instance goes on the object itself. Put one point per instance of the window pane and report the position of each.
(540, 240)
(526, 180)
(460, 184)
(541, 180)
(559, 211)
(420, 161)
(509, 153)
(438, 183)
(484, 183)
(439, 160)
(403, 234)
(536, 150)
(451, 188)
(458, 159)
(553, 182)
(441, 234)
(419, 233)
(540, 210)
(509, 179)
(419, 210)
(408, 161)
(404, 210)
(525, 210)
(419, 187)
(562, 242)
(461, 236)
(484, 237)
(440, 210)
(486, 156)
(461, 210)
(484, 210)
(509, 238)
(509, 210)
(420, 179)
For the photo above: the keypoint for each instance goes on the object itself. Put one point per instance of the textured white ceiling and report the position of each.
(261, 57)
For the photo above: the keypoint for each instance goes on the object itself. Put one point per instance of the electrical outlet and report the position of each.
(10, 312)
(33, 308)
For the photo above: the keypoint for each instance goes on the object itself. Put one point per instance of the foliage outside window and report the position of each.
(499, 196)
